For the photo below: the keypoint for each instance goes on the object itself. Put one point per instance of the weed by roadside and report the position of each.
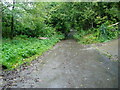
(18, 51)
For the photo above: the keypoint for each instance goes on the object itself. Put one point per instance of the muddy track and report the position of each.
(67, 65)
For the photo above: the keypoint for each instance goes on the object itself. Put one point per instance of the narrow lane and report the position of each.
(67, 65)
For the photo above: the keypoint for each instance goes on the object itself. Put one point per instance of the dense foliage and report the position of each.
(44, 19)
(16, 51)
(28, 19)
(91, 20)
(24, 22)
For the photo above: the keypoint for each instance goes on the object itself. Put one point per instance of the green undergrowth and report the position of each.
(97, 35)
(23, 49)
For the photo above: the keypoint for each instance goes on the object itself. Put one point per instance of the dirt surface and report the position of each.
(67, 65)
(110, 47)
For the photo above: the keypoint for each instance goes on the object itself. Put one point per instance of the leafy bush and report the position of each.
(14, 52)
(102, 34)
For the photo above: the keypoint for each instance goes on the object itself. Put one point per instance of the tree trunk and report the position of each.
(12, 21)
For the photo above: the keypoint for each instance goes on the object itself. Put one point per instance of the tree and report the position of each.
(12, 21)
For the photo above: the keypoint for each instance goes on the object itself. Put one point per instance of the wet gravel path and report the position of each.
(67, 65)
